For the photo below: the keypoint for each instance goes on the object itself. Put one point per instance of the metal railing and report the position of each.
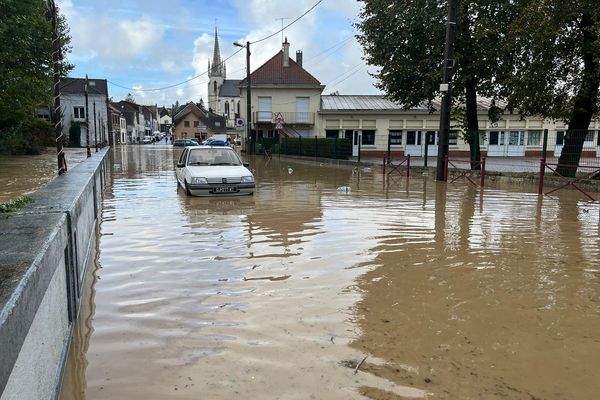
(297, 118)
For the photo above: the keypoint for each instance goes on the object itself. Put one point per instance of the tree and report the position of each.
(405, 38)
(130, 98)
(556, 67)
(26, 62)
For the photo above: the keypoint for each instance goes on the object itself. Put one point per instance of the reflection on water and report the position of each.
(21, 175)
(449, 293)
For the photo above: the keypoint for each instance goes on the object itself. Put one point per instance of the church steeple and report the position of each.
(218, 68)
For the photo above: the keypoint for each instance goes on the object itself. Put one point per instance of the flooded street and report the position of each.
(21, 175)
(450, 294)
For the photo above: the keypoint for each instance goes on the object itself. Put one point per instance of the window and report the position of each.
(215, 86)
(78, 112)
(368, 138)
(217, 124)
(453, 137)
(396, 138)
(430, 137)
(196, 124)
(413, 138)
(560, 138)
(589, 137)
(331, 133)
(302, 109)
(264, 109)
(496, 138)
(533, 138)
(186, 124)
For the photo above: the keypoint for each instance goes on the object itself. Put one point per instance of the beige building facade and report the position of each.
(374, 121)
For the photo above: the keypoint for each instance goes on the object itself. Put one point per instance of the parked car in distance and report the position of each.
(147, 139)
(185, 142)
(213, 171)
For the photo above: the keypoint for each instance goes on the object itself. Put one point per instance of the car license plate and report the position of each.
(224, 189)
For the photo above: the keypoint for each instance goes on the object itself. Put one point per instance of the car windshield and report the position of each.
(212, 156)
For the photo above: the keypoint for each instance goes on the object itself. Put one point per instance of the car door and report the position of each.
(179, 169)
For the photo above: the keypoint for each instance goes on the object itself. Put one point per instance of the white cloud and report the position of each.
(106, 40)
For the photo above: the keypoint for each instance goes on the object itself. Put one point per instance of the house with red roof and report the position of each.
(284, 95)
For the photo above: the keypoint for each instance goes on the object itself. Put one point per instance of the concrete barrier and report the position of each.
(44, 251)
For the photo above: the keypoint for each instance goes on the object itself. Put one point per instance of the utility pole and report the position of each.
(95, 132)
(446, 89)
(57, 114)
(87, 118)
(248, 95)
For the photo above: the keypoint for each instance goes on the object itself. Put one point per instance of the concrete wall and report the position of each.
(44, 251)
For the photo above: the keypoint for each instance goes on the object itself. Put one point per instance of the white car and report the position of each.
(213, 171)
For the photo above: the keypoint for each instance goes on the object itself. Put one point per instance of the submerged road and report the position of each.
(448, 292)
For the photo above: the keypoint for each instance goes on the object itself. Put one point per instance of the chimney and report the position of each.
(299, 57)
(286, 53)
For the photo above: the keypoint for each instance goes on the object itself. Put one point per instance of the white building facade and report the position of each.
(73, 107)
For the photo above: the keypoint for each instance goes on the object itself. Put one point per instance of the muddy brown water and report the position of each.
(448, 292)
(21, 175)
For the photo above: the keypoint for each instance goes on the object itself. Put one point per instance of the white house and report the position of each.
(73, 108)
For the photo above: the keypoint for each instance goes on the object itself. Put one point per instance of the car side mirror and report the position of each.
(180, 165)
(246, 164)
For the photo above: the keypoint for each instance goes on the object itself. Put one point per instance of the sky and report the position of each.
(148, 44)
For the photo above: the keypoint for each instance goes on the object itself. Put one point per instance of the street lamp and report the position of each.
(248, 93)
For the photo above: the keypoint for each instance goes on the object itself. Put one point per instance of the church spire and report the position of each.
(217, 63)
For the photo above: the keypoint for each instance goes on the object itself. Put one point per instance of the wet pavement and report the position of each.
(449, 292)
(21, 175)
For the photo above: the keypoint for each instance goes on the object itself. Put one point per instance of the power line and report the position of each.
(205, 72)
(290, 24)
(175, 84)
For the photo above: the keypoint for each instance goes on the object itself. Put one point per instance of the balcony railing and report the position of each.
(296, 118)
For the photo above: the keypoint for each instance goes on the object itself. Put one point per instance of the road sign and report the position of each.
(239, 122)
(279, 126)
(279, 118)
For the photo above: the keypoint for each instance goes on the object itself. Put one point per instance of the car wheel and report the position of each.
(187, 189)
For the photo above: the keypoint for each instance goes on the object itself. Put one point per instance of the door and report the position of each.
(414, 144)
(302, 110)
(354, 136)
(515, 147)
(432, 143)
(560, 141)
(496, 144)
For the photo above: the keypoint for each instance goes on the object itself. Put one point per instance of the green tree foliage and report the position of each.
(25, 66)
(405, 38)
(553, 48)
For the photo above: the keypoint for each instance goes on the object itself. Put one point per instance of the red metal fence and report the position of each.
(465, 173)
(390, 165)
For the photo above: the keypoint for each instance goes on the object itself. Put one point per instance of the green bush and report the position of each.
(75, 135)
(29, 138)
